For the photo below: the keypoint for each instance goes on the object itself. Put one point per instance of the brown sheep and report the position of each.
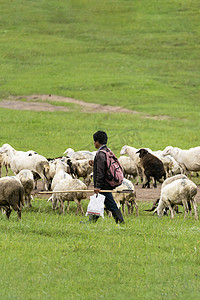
(11, 195)
(153, 167)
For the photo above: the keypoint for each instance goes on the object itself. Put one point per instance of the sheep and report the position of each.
(132, 153)
(82, 168)
(153, 167)
(126, 198)
(84, 154)
(26, 178)
(128, 166)
(176, 168)
(60, 174)
(30, 160)
(168, 181)
(189, 160)
(167, 163)
(64, 185)
(11, 195)
(4, 162)
(55, 164)
(178, 192)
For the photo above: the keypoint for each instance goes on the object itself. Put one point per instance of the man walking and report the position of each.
(100, 176)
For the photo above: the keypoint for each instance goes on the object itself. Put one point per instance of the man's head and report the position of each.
(100, 138)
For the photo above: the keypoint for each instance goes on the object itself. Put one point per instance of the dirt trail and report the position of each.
(31, 103)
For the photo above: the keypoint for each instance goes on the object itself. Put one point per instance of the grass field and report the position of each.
(142, 55)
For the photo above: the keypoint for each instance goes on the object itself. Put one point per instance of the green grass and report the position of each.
(51, 256)
(112, 52)
(142, 55)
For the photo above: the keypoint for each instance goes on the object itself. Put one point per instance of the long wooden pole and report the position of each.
(88, 191)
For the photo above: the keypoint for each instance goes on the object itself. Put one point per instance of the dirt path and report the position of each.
(31, 103)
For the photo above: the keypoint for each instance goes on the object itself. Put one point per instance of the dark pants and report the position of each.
(110, 203)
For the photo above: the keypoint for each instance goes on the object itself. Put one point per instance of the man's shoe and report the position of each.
(117, 214)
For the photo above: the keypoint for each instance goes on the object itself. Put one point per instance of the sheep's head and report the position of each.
(123, 150)
(69, 151)
(167, 150)
(5, 148)
(142, 152)
(54, 202)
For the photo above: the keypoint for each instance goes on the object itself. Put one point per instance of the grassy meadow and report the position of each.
(142, 55)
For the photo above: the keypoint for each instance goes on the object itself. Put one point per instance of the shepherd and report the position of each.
(107, 174)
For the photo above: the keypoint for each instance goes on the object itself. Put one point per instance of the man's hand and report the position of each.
(96, 190)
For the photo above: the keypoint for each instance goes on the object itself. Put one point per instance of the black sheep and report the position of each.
(153, 167)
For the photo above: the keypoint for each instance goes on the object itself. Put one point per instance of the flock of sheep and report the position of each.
(73, 172)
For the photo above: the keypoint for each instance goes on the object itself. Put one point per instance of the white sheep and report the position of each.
(4, 162)
(55, 165)
(84, 154)
(173, 178)
(176, 168)
(189, 160)
(65, 185)
(167, 181)
(128, 198)
(128, 166)
(131, 152)
(178, 192)
(26, 178)
(60, 174)
(30, 160)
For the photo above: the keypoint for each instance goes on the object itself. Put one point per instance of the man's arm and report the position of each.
(100, 171)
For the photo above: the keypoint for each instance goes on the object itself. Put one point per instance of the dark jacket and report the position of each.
(100, 169)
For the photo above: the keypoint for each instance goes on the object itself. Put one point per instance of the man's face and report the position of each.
(97, 144)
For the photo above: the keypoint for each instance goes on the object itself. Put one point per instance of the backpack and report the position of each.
(114, 175)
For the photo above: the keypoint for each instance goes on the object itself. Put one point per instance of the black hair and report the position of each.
(101, 137)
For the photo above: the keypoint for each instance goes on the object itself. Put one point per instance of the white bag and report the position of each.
(96, 205)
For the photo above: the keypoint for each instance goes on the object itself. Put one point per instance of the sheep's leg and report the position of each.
(170, 208)
(172, 212)
(138, 175)
(62, 207)
(155, 186)
(82, 211)
(185, 204)
(194, 203)
(143, 176)
(79, 206)
(6, 167)
(131, 208)
(136, 207)
(147, 184)
(77, 203)
(128, 206)
(8, 211)
(19, 213)
(190, 207)
(29, 201)
(45, 182)
(123, 207)
(26, 200)
(68, 206)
